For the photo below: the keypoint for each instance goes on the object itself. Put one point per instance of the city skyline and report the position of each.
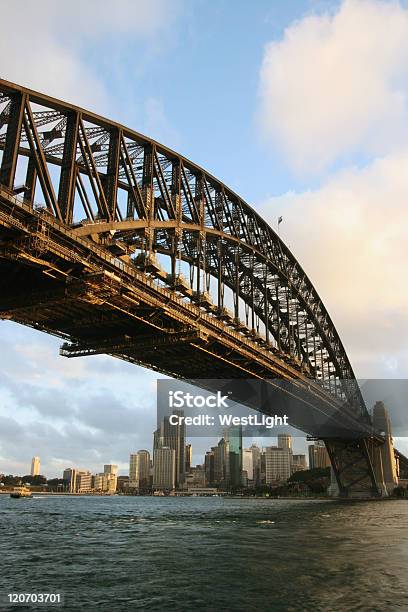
(199, 446)
(227, 467)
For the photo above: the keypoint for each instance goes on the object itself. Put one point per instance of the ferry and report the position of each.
(20, 492)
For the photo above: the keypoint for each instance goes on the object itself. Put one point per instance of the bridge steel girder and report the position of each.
(124, 199)
(353, 466)
(165, 189)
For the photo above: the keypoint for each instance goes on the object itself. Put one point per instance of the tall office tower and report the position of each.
(139, 470)
(262, 473)
(35, 466)
(133, 460)
(256, 463)
(173, 436)
(164, 469)
(318, 455)
(188, 457)
(298, 463)
(285, 441)
(382, 424)
(247, 466)
(221, 463)
(277, 464)
(209, 467)
(70, 478)
(233, 437)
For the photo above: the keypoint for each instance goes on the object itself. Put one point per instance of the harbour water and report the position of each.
(146, 553)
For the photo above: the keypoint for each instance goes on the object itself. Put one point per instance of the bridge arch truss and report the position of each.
(159, 212)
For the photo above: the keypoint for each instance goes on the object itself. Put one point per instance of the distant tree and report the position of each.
(11, 480)
(400, 492)
(56, 484)
(310, 475)
(35, 480)
(316, 480)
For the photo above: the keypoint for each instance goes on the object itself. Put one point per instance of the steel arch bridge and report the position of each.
(137, 252)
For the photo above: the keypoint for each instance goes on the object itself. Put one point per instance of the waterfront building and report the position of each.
(188, 458)
(83, 481)
(111, 483)
(100, 482)
(123, 484)
(318, 455)
(105, 482)
(70, 478)
(196, 477)
(277, 464)
(35, 466)
(164, 468)
(139, 470)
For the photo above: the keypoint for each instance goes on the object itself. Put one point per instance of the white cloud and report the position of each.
(351, 238)
(337, 85)
(44, 44)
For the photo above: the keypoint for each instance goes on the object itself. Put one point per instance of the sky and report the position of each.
(299, 106)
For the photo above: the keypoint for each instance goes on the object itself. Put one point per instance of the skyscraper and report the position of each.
(209, 467)
(233, 437)
(227, 459)
(188, 458)
(164, 468)
(173, 436)
(277, 464)
(139, 470)
(221, 463)
(285, 441)
(256, 463)
(35, 466)
(247, 465)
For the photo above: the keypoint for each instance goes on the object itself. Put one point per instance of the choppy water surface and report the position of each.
(130, 553)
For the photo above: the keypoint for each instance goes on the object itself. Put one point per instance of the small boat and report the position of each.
(20, 492)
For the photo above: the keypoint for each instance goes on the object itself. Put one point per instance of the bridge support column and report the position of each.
(353, 473)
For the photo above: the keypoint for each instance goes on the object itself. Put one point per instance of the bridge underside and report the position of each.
(57, 283)
(247, 310)
(54, 283)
